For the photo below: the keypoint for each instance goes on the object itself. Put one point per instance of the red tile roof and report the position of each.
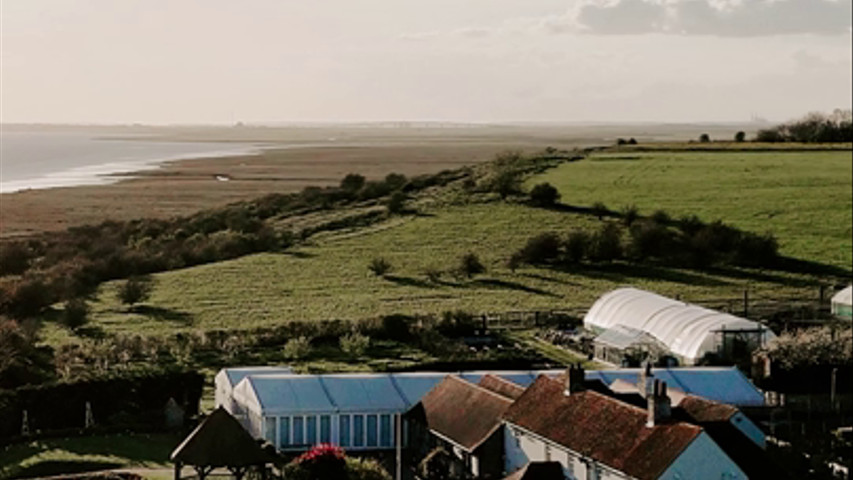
(501, 386)
(703, 410)
(605, 429)
(463, 412)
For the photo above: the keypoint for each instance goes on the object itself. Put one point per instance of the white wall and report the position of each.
(703, 459)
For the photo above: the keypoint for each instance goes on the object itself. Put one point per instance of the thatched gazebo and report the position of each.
(219, 441)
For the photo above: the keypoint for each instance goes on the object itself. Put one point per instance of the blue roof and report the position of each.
(721, 384)
(236, 374)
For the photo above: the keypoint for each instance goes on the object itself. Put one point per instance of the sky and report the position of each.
(261, 61)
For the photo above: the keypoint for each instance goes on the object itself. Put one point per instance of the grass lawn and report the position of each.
(65, 455)
(801, 197)
(330, 279)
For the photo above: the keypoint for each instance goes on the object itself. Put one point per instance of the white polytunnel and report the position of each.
(688, 331)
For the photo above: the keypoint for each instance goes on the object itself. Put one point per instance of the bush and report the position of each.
(740, 136)
(397, 202)
(297, 348)
(606, 244)
(542, 248)
(544, 195)
(135, 290)
(365, 469)
(704, 138)
(397, 327)
(506, 182)
(352, 183)
(354, 344)
(632, 141)
(661, 217)
(14, 258)
(578, 243)
(76, 313)
(470, 265)
(395, 181)
(630, 213)
(650, 239)
(599, 209)
(379, 266)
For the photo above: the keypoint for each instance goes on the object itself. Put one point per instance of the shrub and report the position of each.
(506, 182)
(577, 245)
(457, 323)
(649, 239)
(606, 244)
(542, 248)
(599, 210)
(352, 183)
(76, 313)
(297, 348)
(544, 195)
(372, 190)
(135, 290)
(661, 217)
(621, 141)
(632, 141)
(395, 181)
(365, 469)
(27, 297)
(740, 136)
(757, 250)
(630, 213)
(397, 202)
(379, 266)
(704, 138)
(397, 327)
(470, 265)
(14, 258)
(690, 224)
(354, 344)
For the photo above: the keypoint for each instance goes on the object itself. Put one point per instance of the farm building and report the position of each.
(842, 303)
(687, 332)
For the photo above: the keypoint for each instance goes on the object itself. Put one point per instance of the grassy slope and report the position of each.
(802, 197)
(330, 279)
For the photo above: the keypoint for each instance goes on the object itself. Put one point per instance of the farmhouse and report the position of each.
(842, 303)
(630, 320)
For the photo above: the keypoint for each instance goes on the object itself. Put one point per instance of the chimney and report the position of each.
(659, 406)
(644, 381)
(574, 379)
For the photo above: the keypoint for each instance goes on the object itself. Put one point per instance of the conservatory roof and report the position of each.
(721, 384)
(234, 375)
(682, 327)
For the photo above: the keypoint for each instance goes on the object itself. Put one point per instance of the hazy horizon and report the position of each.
(265, 62)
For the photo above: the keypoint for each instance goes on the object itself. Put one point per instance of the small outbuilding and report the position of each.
(220, 442)
(842, 303)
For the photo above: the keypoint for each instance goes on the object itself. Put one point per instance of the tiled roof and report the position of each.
(501, 386)
(463, 412)
(702, 410)
(602, 428)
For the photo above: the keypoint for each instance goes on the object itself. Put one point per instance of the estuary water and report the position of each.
(31, 160)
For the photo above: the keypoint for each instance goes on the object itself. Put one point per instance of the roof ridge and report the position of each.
(482, 389)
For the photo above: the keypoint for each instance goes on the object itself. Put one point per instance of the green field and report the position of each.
(330, 279)
(64, 455)
(804, 198)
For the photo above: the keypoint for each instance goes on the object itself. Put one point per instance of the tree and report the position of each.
(630, 213)
(397, 202)
(544, 195)
(599, 210)
(740, 136)
(506, 182)
(470, 265)
(542, 248)
(379, 266)
(352, 183)
(577, 246)
(632, 141)
(704, 138)
(395, 181)
(76, 313)
(606, 243)
(135, 290)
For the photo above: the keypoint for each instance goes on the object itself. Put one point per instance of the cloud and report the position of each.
(730, 18)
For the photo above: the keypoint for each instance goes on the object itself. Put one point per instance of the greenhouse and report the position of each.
(842, 303)
(228, 378)
(689, 332)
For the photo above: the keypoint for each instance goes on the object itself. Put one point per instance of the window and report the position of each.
(358, 430)
(343, 430)
(311, 430)
(385, 430)
(371, 431)
(298, 437)
(284, 431)
(325, 429)
(269, 429)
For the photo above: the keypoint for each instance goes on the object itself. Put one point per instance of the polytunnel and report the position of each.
(688, 331)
